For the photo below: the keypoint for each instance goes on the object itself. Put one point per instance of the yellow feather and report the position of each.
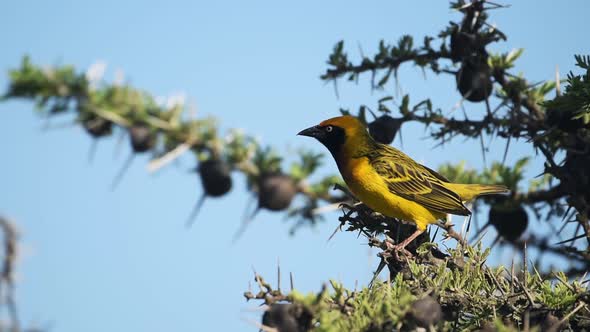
(370, 188)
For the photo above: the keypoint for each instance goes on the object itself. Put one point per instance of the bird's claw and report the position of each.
(392, 250)
(397, 249)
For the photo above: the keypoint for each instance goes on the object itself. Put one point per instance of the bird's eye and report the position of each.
(329, 129)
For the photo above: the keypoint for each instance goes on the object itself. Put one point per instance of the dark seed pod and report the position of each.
(474, 81)
(281, 317)
(550, 323)
(544, 320)
(509, 218)
(215, 177)
(384, 128)
(276, 191)
(216, 180)
(451, 309)
(563, 119)
(287, 317)
(97, 127)
(463, 45)
(375, 327)
(142, 137)
(142, 140)
(426, 312)
(487, 327)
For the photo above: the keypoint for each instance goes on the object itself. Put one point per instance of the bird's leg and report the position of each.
(409, 239)
(402, 245)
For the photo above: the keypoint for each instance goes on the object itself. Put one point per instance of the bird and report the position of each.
(390, 182)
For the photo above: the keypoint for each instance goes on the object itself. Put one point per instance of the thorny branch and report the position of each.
(459, 284)
(558, 128)
(7, 274)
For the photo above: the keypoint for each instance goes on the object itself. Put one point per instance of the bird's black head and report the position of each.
(333, 137)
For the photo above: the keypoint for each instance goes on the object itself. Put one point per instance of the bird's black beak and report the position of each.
(314, 131)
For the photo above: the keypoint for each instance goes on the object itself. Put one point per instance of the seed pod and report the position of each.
(488, 327)
(426, 312)
(142, 140)
(452, 309)
(276, 191)
(97, 126)
(142, 137)
(384, 128)
(474, 81)
(388, 325)
(287, 317)
(280, 317)
(463, 44)
(509, 218)
(216, 181)
(563, 119)
(550, 323)
(544, 320)
(215, 177)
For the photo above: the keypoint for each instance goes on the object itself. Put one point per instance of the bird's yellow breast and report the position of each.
(370, 188)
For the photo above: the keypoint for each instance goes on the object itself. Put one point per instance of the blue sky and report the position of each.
(96, 260)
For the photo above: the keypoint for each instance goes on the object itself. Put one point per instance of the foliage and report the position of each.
(575, 101)
(468, 294)
(102, 108)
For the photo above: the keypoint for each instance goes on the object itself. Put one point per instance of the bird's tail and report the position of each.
(467, 192)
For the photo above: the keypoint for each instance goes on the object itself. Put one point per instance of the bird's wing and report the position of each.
(414, 182)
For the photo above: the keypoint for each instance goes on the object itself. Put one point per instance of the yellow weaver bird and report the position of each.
(391, 183)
